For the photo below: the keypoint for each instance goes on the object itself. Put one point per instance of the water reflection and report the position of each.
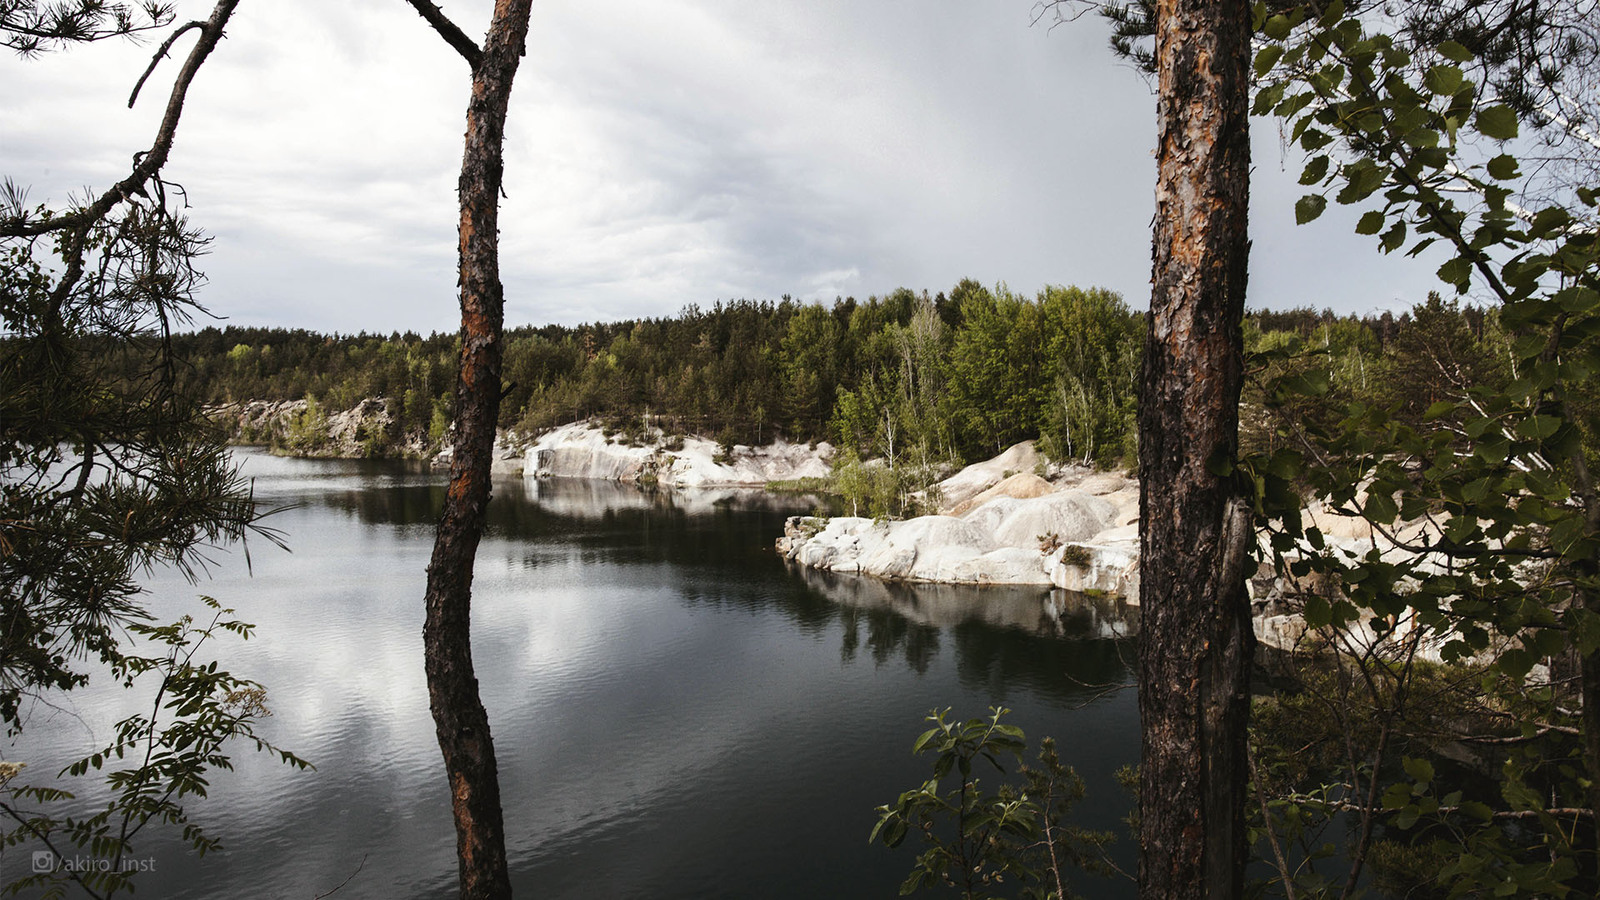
(1048, 640)
(677, 712)
(1051, 612)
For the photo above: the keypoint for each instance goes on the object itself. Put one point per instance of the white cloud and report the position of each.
(658, 154)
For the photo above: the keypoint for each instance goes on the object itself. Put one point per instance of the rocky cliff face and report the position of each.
(303, 428)
(1000, 526)
(583, 450)
(1080, 534)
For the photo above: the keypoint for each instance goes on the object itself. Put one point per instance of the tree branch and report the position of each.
(158, 57)
(448, 30)
(149, 163)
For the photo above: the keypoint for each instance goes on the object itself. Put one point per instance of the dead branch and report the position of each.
(448, 30)
(148, 163)
(160, 54)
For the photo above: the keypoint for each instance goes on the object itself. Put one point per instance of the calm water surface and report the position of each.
(677, 712)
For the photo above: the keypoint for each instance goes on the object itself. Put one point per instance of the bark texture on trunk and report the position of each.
(458, 714)
(1195, 638)
(1589, 670)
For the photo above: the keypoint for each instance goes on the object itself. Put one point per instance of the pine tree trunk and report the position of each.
(458, 714)
(1196, 641)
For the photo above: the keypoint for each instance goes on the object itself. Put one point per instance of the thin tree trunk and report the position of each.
(1196, 641)
(458, 714)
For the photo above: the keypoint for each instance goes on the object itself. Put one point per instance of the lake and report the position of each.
(677, 712)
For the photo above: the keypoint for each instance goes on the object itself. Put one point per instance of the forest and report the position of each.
(1440, 734)
(954, 377)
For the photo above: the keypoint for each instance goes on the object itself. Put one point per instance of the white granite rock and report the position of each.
(582, 450)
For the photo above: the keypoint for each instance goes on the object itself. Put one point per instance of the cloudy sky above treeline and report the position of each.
(661, 154)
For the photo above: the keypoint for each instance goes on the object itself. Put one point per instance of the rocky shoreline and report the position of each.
(585, 450)
(577, 450)
(1079, 533)
(303, 428)
(999, 523)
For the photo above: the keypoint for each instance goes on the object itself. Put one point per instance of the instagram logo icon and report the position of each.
(44, 861)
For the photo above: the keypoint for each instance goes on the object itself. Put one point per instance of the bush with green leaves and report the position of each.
(1484, 509)
(156, 763)
(1009, 842)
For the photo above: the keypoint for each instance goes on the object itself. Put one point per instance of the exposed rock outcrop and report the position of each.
(302, 428)
(979, 477)
(583, 450)
(1001, 526)
(1080, 535)
(507, 456)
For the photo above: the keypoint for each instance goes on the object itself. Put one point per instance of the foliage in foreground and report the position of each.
(1011, 842)
(1482, 512)
(109, 467)
(169, 753)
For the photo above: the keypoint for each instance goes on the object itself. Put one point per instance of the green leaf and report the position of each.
(1318, 613)
(1498, 122)
(1418, 769)
(1277, 27)
(1362, 178)
(1307, 208)
(1267, 58)
(1515, 662)
(1286, 464)
(1439, 410)
(1548, 221)
(1503, 167)
(1380, 508)
(1538, 428)
(1453, 51)
(1315, 170)
(1220, 464)
(1371, 222)
(1395, 237)
(1443, 80)
(1396, 796)
(1456, 272)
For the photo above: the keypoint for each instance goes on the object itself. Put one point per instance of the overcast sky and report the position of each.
(660, 154)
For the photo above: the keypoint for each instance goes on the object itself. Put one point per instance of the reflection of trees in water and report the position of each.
(887, 634)
(396, 504)
(718, 545)
(1003, 660)
(1035, 609)
(623, 523)
(1006, 637)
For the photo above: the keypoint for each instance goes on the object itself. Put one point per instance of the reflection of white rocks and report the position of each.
(582, 497)
(582, 450)
(1031, 608)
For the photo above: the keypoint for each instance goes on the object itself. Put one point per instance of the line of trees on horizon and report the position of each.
(954, 377)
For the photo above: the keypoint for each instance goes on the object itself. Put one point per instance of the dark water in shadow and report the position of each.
(677, 712)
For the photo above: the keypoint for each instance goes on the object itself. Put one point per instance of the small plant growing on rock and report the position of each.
(1049, 543)
(1075, 555)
